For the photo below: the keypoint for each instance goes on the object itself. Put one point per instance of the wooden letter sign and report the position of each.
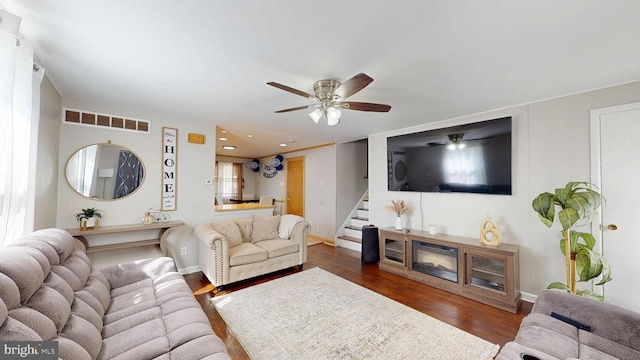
(169, 168)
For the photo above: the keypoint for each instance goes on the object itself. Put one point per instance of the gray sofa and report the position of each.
(236, 250)
(591, 329)
(138, 310)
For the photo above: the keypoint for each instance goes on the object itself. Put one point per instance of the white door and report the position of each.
(616, 170)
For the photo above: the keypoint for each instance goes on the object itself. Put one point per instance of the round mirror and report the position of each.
(104, 172)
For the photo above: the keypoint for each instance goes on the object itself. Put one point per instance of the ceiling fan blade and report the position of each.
(353, 85)
(291, 90)
(361, 106)
(297, 108)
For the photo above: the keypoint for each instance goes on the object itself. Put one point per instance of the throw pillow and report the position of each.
(246, 227)
(230, 231)
(265, 228)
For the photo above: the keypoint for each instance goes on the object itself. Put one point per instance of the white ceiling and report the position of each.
(431, 60)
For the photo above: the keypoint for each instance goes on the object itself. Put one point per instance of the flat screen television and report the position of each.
(471, 158)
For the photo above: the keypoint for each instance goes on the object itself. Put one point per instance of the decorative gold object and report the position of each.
(489, 234)
(148, 219)
(196, 138)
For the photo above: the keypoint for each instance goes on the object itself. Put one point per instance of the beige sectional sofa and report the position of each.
(566, 326)
(140, 310)
(236, 250)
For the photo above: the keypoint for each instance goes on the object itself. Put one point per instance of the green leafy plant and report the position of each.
(578, 202)
(88, 214)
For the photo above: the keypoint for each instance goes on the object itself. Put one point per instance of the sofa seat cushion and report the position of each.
(279, 247)
(246, 253)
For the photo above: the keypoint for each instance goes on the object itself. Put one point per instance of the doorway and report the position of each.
(294, 200)
(614, 147)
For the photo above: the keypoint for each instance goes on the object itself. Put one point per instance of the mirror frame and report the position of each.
(121, 147)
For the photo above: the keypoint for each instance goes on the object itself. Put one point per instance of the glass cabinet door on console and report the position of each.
(489, 273)
(393, 251)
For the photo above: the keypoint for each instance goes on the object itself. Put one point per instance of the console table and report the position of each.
(464, 266)
(164, 227)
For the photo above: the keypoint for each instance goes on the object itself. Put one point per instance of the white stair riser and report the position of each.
(365, 205)
(359, 223)
(353, 233)
(363, 213)
(349, 245)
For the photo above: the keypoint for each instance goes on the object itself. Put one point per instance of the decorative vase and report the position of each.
(399, 223)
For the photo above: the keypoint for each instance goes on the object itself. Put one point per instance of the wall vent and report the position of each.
(114, 122)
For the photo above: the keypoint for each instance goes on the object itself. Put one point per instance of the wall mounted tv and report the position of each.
(471, 158)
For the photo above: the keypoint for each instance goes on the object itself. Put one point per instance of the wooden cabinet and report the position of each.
(464, 266)
(393, 253)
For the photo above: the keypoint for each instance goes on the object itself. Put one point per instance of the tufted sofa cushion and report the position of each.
(139, 310)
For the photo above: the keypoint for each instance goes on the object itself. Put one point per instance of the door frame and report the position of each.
(286, 188)
(597, 227)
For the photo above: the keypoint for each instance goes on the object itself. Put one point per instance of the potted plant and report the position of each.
(578, 202)
(88, 217)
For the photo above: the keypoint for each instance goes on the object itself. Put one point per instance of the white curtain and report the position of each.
(465, 166)
(19, 118)
(229, 178)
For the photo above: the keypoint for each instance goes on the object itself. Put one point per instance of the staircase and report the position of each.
(350, 234)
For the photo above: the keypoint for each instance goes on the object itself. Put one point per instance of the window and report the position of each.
(228, 179)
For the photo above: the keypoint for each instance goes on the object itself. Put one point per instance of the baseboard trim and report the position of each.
(528, 297)
(189, 270)
(321, 239)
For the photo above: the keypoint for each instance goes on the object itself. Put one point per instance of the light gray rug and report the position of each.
(314, 314)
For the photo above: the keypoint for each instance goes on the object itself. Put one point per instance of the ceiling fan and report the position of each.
(330, 95)
(456, 142)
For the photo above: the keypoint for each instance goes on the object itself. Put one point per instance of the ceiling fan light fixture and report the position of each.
(333, 116)
(462, 146)
(451, 146)
(315, 115)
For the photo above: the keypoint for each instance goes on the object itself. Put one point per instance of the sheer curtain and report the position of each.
(465, 166)
(19, 118)
(229, 178)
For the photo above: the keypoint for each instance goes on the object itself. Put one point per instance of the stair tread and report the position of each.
(358, 228)
(350, 238)
(360, 218)
(363, 209)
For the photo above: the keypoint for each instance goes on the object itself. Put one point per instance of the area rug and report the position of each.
(314, 314)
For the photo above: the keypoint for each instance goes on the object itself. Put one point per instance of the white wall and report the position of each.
(352, 178)
(195, 165)
(550, 147)
(320, 188)
(47, 163)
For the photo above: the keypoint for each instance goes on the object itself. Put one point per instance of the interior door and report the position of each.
(615, 142)
(294, 202)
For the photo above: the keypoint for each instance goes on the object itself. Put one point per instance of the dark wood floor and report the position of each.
(489, 323)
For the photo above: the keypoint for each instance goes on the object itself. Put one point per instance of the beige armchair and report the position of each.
(236, 250)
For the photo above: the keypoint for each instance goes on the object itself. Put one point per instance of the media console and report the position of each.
(464, 266)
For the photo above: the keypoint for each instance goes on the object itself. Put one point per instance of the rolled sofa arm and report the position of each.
(213, 254)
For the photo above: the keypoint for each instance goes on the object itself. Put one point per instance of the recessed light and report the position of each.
(223, 131)
(250, 136)
(283, 145)
(229, 147)
(222, 138)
